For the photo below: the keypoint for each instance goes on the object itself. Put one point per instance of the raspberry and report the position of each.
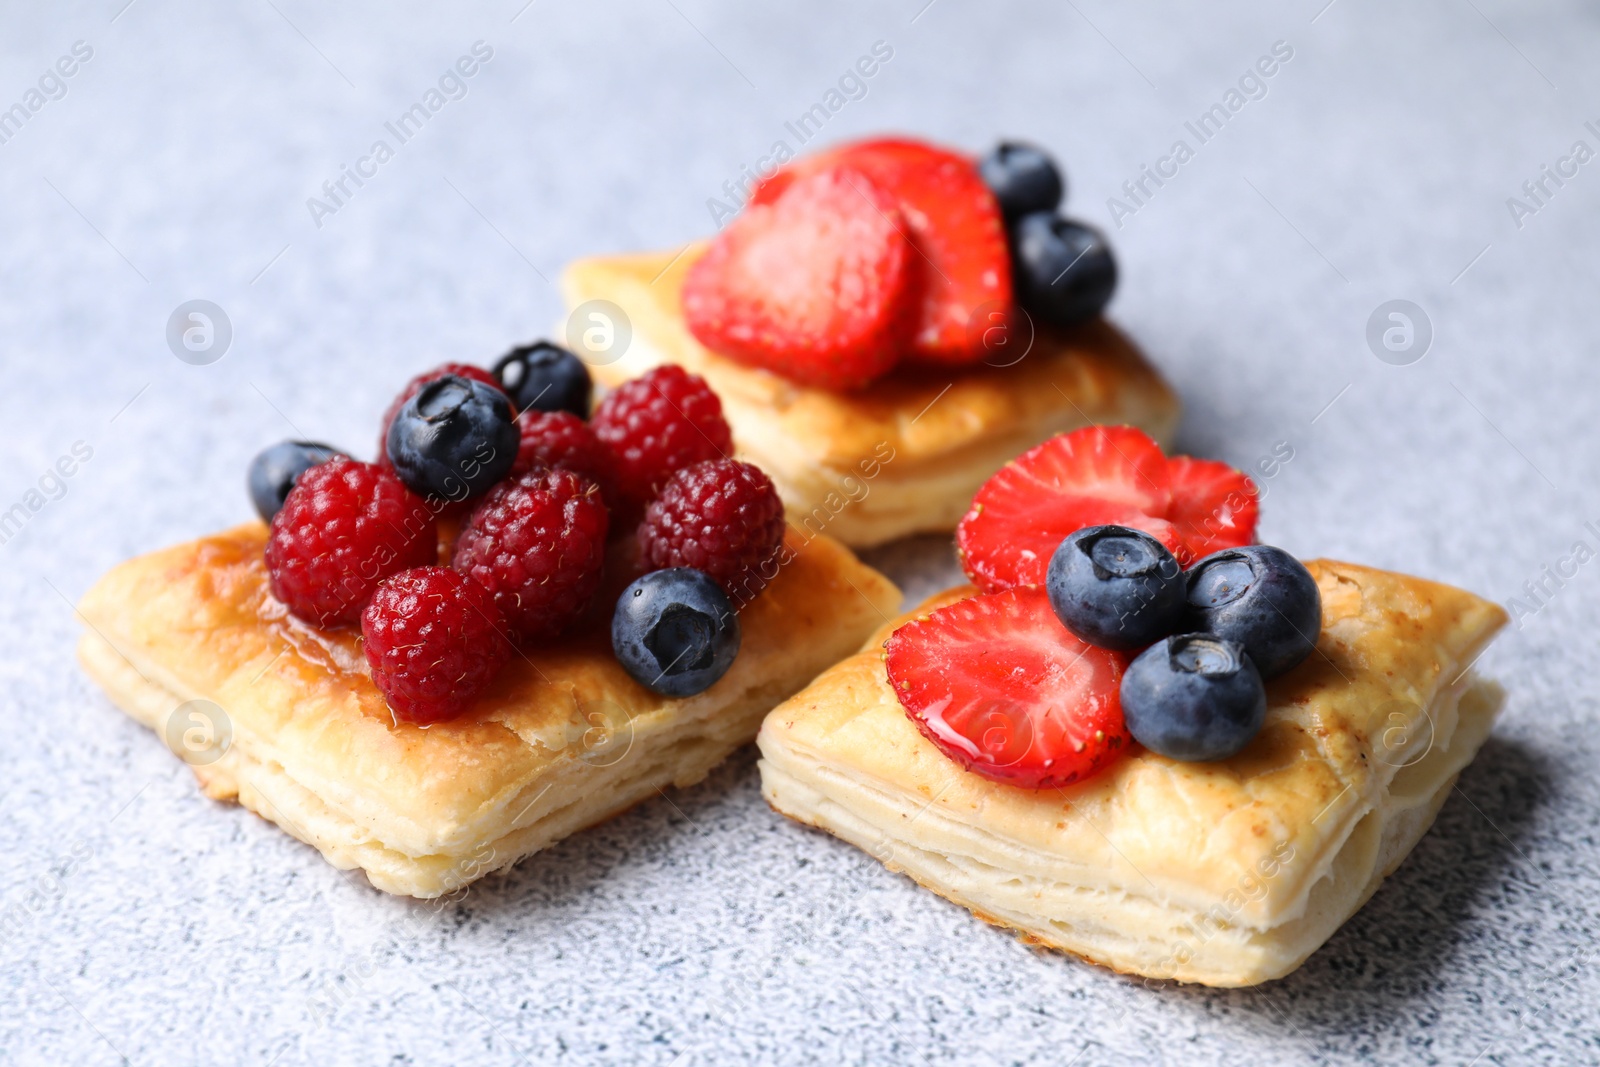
(433, 639)
(656, 424)
(538, 543)
(561, 439)
(722, 517)
(345, 527)
(414, 386)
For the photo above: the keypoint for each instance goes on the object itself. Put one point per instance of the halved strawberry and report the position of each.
(1002, 688)
(1089, 477)
(1214, 506)
(953, 220)
(816, 285)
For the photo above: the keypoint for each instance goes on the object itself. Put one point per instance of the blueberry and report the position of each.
(454, 439)
(1023, 178)
(1116, 587)
(1260, 597)
(546, 377)
(274, 470)
(1193, 697)
(1064, 270)
(675, 631)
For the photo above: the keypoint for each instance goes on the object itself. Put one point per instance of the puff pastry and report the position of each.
(422, 811)
(1228, 873)
(905, 455)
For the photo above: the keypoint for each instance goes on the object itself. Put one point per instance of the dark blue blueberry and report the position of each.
(1193, 697)
(274, 470)
(675, 631)
(1116, 587)
(1260, 597)
(546, 377)
(1023, 178)
(1065, 272)
(454, 439)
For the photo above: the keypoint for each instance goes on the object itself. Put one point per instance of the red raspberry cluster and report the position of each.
(353, 543)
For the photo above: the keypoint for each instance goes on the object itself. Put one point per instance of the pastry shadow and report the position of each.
(1393, 950)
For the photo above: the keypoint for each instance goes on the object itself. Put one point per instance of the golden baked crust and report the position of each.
(906, 454)
(1226, 873)
(422, 810)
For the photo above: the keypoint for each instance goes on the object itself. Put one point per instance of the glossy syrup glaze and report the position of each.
(238, 595)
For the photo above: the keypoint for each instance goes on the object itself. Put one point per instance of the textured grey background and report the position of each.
(159, 928)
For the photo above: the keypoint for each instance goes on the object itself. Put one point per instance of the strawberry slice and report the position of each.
(1214, 506)
(953, 220)
(1002, 688)
(815, 284)
(1089, 477)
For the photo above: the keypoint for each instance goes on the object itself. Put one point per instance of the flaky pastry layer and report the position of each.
(1228, 873)
(904, 455)
(563, 738)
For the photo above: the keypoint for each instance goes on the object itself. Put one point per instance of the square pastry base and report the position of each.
(1228, 873)
(906, 454)
(285, 719)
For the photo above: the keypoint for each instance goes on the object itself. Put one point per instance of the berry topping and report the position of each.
(345, 527)
(1116, 587)
(454, 439)
(545, 377)
(954, 223)
(1065, 270)
(675, 632)
(722, 517)
(1261, 598)
(1193, 697)
(561, 439)
(1214, 506)
(274, 470)
(1004, 690)
(1023, 179)
(816, 285)
(1099, 475)
(656, 424)
(414, 386)
(537, 543)
(432, 637)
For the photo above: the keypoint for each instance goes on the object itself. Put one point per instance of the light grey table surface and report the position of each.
(156, 927)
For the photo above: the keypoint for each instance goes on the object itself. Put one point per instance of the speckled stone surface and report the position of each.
(144, 924)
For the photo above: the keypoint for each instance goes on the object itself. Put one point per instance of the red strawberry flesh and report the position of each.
(816, 285)
(1001, 687)
(954, 223)
(1089, 477)
(1214, 506)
